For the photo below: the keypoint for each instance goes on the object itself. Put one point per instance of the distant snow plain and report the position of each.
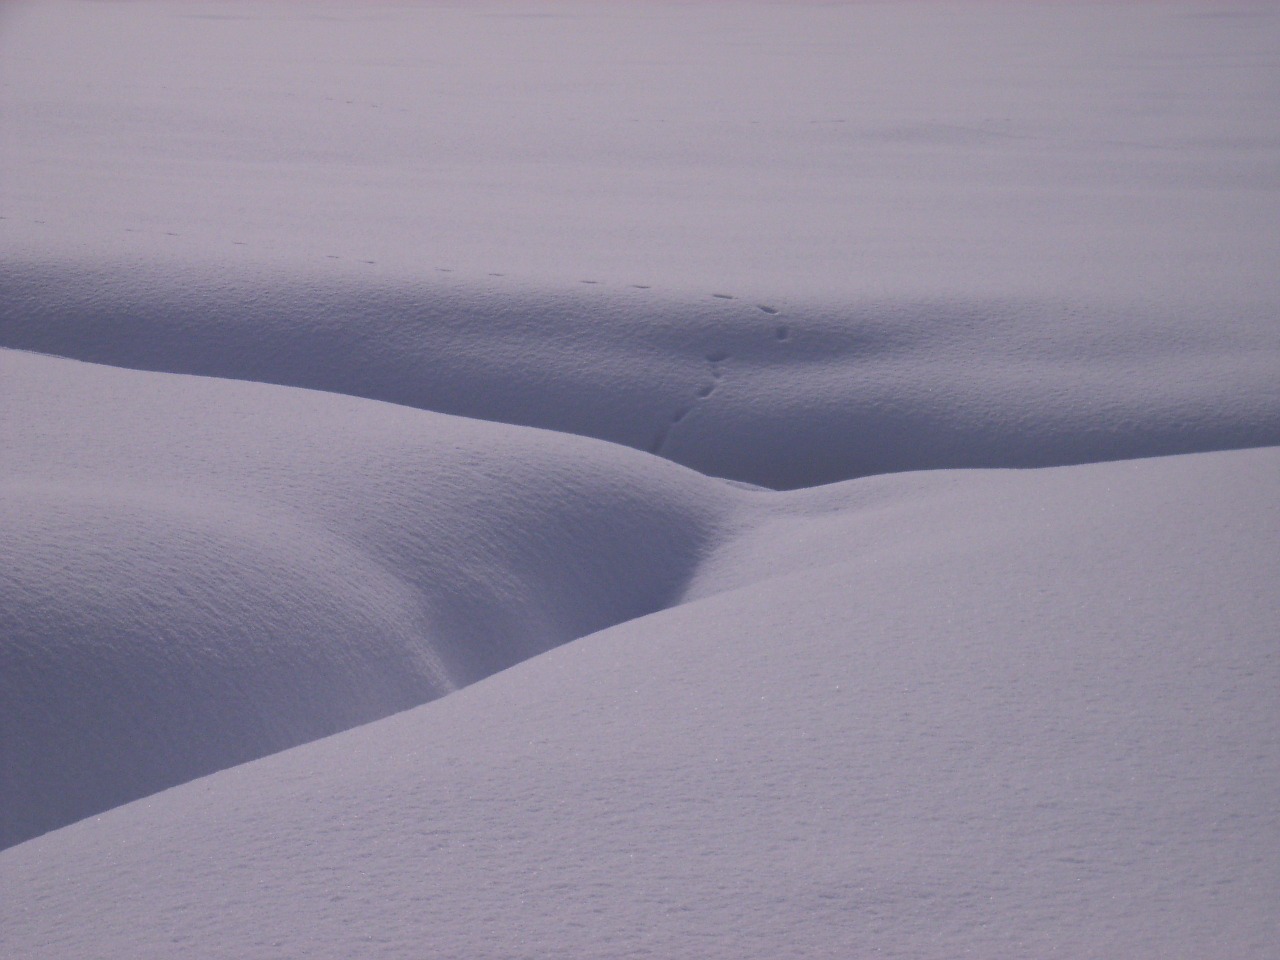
(651, 479)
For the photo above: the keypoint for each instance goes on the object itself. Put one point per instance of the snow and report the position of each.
(261, 566)
(768, 480)
(1049, 730)
(782, 394)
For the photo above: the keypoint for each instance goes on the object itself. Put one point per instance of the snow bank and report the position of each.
(780, 395)
(1001, 713)
(994, 234)
(1112, 151)
(197, 572)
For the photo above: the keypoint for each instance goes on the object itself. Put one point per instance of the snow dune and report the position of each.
(782, 395)
(198, 571)
(1013, 713)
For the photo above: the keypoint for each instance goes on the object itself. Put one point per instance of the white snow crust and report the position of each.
(522, 479)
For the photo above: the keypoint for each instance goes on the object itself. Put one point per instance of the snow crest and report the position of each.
(778, 395)
(198, 572)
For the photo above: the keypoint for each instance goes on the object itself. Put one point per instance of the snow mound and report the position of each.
(777, 394)
(939, 715)
(195, 572)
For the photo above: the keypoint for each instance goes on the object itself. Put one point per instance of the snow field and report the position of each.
(883, 736)
(782, 394)
(199, 571)
(366, 587)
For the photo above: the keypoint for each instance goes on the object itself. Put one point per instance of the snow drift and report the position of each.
(939, 711)
(780, 395)
(197, 572)
(351, 602)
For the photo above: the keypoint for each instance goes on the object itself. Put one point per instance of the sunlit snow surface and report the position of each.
(433, 360)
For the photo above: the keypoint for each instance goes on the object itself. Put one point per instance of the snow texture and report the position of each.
(199, 571)
(538, 479)
(815, 394)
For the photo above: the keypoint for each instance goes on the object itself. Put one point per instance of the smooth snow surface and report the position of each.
(781, 398)
(757, 149)
(201, 571)
(1051, 729)
(389, 398)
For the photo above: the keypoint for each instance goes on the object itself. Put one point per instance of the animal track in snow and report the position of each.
(715, 359)
(772, 311)
(782, 333)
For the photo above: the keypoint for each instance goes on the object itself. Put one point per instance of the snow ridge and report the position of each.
(780, 395)
(197, 572)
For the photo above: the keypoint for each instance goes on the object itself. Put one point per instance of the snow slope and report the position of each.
(200, 571)
(993, 234)
(780, 395)
(1044, 725)
(366, 586)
